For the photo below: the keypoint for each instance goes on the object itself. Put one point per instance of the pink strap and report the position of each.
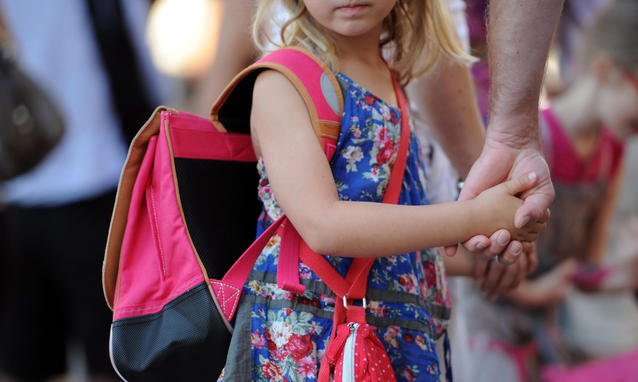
(356, 284)
(238, 273)
(308, 70)
(306, 73)
(353, 286)
(288, 263)
(393, 190)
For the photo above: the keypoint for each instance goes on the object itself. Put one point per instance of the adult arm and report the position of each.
(446, 101)
(519, 36)
(235, 50)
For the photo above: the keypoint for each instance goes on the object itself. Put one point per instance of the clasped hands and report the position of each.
(499, 263)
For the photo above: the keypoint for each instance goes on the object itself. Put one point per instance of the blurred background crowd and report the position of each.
(106, 64)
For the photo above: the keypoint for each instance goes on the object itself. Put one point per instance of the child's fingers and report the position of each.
(521, 183)
(531, 232)
(530, 211)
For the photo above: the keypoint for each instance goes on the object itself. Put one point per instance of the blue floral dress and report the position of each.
(280, 336)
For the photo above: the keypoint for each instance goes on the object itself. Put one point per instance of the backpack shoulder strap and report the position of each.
(322, 95)
(314, 81)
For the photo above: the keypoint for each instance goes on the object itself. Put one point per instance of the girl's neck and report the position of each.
(361, 50)
(360, 59)
(576, 109)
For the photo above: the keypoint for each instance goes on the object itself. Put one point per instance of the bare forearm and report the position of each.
(445, 100)
(519, 36)
(356, 228)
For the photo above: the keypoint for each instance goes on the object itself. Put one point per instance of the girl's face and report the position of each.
(619, 105)
(350, 18)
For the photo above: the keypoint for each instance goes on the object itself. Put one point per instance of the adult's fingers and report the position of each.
(512, 253)
(513, 276)
(495, 272)
(531, 256)
(475, 245)
(480, 269)
(508, 276)
(501, 278)
(498, 243)
(523, 266)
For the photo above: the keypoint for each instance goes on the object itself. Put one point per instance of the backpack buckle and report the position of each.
(364, 303)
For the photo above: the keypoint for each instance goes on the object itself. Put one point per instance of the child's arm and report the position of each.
(303, 184)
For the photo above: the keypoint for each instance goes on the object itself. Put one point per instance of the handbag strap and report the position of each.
(293, 248)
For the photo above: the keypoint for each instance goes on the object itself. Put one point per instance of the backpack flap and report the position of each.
(130, 170)
(185, 210)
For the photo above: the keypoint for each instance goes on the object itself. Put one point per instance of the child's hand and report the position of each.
(497, 206)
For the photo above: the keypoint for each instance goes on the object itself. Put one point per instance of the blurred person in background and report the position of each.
(600, 317)
(235, 51)
(577, 16)
(584, 129)
(90, 56)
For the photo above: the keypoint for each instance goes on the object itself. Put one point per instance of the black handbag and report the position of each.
(30, 123)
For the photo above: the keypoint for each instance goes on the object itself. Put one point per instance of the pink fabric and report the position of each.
(371, 361)
(306, 68)
(196, 138)
(148, 239)
(568, 167)
(288, 266)
(621, 368)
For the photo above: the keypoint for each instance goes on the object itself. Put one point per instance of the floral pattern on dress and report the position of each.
(407, 294)
(283, 342)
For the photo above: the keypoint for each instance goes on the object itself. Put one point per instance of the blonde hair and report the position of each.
(413, 26)
(614, 35)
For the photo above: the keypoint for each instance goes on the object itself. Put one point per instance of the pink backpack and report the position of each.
(186, 210)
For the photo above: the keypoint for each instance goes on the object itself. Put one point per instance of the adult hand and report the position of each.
(496, 278)
(497, 163)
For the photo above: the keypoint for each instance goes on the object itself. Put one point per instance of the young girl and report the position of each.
(583, 132)
(335, 205)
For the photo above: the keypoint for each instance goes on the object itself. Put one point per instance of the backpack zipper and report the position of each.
(348, 354)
